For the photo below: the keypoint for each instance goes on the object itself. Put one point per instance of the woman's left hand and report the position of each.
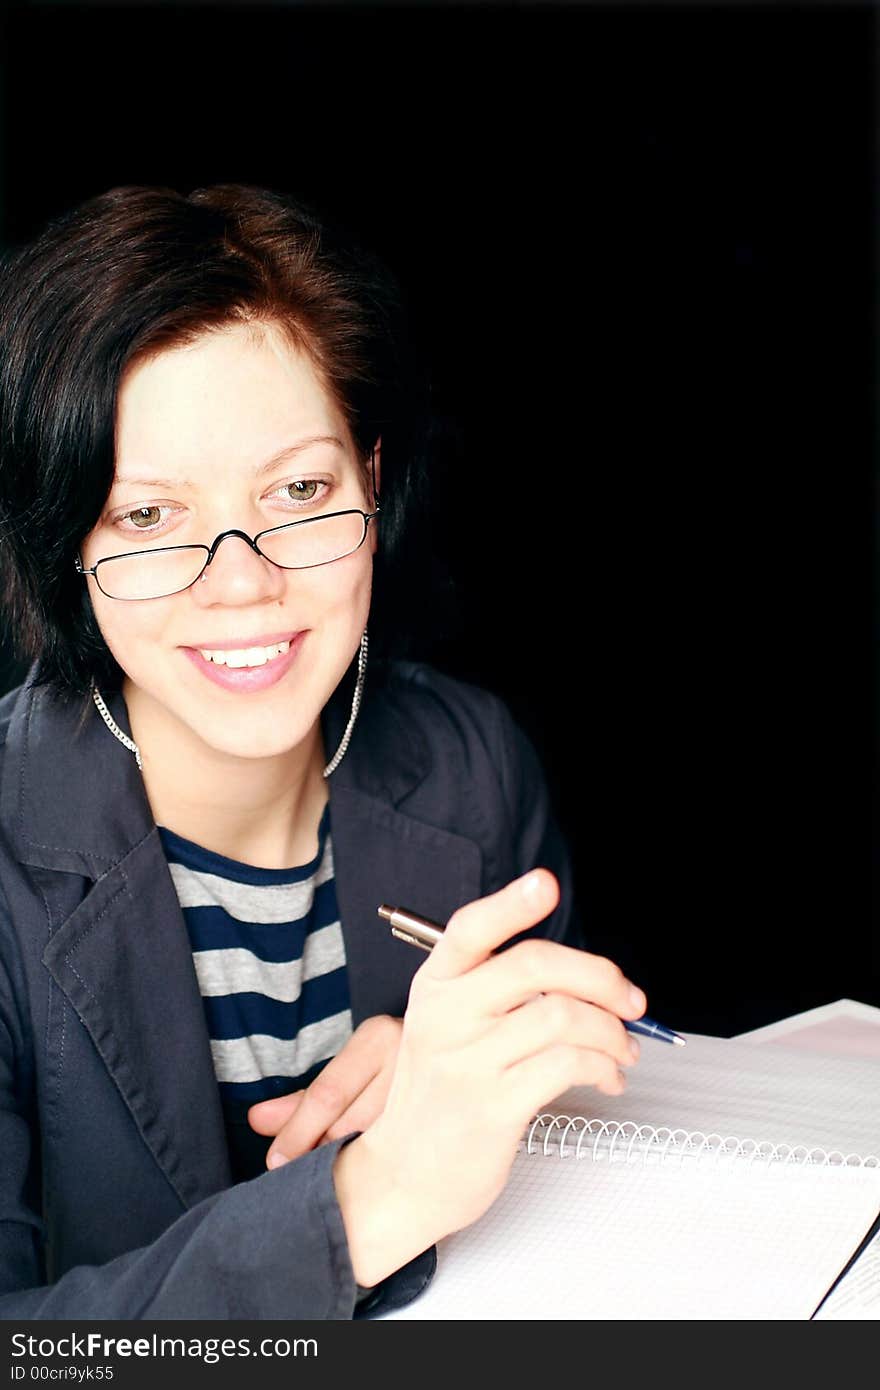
(348, 1094)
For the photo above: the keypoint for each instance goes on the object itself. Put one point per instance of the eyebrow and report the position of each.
(289, 451)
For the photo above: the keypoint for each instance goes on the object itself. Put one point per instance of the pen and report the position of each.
(418, 931)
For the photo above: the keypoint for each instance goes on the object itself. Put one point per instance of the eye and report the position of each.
(148, 520)
(144, 518)
(303, 490)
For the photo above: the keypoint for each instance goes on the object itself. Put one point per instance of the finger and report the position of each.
(480, 927)
(538, 1080)
(536, 967)
(365, 1109)
(554, 1019)
(328, 1097)
(269, 1116)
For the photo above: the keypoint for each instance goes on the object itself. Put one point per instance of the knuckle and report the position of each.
(380, 1028)
(607, 1076)
(340, 1128)
(570, 1059)
(608, 1068)
(325, 1093)
(610, 974)
(624, 1040)
(461, 917)
(556, 1013)
(388, 1027)
(530, 957)
(419, 989)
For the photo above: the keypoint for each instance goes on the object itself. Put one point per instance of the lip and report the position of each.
(248, 679)
(243, 644)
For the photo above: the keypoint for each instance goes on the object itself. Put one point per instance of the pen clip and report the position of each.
(410, 940)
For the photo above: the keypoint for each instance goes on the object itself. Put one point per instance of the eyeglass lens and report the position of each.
(158, 573)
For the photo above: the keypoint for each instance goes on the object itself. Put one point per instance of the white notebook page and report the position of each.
(572, 1238)
(857, 1297)
(852, 1027)
(846, 1026)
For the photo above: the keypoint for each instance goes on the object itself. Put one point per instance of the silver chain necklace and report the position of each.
(334, 761)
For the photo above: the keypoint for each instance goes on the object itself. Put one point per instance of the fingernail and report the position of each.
(635, 1048)
(637, 999)
(531, 884)
(276, 1159)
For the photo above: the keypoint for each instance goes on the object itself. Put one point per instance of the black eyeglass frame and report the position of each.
(210, 551)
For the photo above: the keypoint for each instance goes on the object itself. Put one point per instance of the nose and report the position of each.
(238, 573)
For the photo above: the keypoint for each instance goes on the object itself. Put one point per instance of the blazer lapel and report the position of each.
(383, 856)
(123, 960)
(122, 957)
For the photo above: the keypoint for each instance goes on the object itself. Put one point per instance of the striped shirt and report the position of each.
(270, 961)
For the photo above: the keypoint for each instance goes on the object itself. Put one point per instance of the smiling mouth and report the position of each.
(245, 656)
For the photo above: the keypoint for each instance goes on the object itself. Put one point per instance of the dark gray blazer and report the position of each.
(115, 1191)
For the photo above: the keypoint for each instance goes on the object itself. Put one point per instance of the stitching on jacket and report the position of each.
(52, 1117)
(120, 1063)
(50, 986)
(99, 871)
(21, 770)
(103, 913)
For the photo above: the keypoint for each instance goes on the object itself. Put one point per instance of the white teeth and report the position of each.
(247, 656)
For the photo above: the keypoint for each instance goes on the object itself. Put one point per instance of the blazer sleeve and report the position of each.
(274, 1247)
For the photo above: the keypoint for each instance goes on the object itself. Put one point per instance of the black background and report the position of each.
(638, 248)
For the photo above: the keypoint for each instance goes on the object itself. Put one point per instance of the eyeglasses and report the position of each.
(169, 569)
(297, 545)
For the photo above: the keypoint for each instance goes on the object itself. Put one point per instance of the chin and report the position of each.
(263, 742)
(270, 736)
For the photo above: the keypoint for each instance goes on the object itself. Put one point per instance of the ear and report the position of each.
(377, 457)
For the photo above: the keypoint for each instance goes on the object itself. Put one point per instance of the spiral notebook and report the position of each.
(728, 1181)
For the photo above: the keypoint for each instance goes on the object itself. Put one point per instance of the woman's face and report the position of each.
(234, 431)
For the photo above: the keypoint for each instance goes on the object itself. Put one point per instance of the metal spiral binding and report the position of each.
(627, 1142)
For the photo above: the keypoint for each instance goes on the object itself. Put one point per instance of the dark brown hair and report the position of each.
(123, 276)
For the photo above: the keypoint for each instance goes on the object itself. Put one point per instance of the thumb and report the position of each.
(480, 927)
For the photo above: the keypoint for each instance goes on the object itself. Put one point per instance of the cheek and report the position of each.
(341, 590)
(129, 628)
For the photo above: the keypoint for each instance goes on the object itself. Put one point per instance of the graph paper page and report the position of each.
(729, 1238)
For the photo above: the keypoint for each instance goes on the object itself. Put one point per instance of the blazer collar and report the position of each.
(72, 796)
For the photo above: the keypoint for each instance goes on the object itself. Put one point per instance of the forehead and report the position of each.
(240, 393)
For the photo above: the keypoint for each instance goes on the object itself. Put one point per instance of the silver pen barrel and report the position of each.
(406, 926)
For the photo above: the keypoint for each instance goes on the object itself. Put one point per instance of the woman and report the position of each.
(212, 1105)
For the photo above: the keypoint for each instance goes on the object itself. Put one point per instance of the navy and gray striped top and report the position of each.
(270, 961)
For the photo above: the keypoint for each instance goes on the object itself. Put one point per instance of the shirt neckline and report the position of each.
(193, 856)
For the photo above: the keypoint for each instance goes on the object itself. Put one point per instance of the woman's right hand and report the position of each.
(487, 1041)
